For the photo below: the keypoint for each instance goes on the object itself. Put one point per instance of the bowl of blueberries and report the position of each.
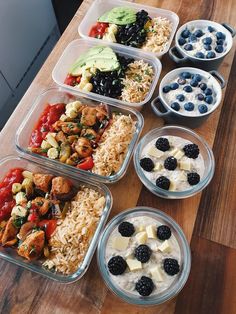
(202, 43)
(188, 96)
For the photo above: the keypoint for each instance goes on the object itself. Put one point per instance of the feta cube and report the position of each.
(19, 211)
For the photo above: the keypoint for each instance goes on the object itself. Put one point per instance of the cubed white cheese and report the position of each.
(52, 153)
(165, 247)
(185, 165)
(134, 264)
(45, 145)
(151, 232)
(20, 197)
(156, 273)
(120, 243)
(154, 152)
(19, 211)
(141, 237)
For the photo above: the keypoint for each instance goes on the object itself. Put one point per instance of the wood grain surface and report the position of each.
(208, 219)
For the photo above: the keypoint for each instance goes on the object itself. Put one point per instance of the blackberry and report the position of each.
(144, 286)
(147, 164)
(193, 178)
(117, 265)
(162, 144)
(191, 151)
(163, 183)
(163, 232)
(170, 163)
(171, 266)
(143, 253)
(126, 229)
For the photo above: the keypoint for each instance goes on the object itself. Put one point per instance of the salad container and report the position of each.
(99, 7)
(187, 134)
(181, 56)
(163, 109)
(11, 255)
(164, 219)
(58, 95)
(78, 47)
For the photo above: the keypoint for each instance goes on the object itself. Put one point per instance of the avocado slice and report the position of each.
(100, 57)
(119, 16)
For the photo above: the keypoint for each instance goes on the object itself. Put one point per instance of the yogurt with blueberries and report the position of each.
(203, 43)
(190, 94)
(143, 247)
(172, 163)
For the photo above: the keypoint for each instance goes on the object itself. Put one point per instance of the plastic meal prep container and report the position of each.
(58, 95)
(99, 7)
(11, 255)
(183, 58)
(77, 47)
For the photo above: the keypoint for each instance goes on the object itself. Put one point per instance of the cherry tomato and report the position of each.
(49, 225)
(98, 30)
(33, 217)
(86, 164)
(71, 80)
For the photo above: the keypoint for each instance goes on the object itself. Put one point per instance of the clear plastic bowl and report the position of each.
(11, 255)
(205, 150)
(80, 46)
(99, 7)
(181, 278)
(58, 95)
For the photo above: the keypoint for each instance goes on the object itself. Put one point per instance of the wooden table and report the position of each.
(208, 219)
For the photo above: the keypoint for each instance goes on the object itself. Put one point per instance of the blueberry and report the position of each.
(220, 35)
(203, 86)
(166, 89)
(189, 106)
(187, 89)
(174, 86)
(186, 33)
(181, 81)
(188, 47)
(210, 55)
(194, 83)
(208, 91)
(211, 29)
(197, 77)
(207, 47)
(175, 106)
(220, 42)
(180, 97)
(200, 96)
(193, 38)
(185, 75)
(207, 40)
(198, 33)
(200, 55)
(209, 99)
(181, 41)
(219, 48)
(202, 108)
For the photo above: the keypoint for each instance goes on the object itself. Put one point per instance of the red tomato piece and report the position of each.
(49, 225)
(86, 164)
(70, 80)
(98, 30)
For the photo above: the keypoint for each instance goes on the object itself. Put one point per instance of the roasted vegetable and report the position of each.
(65, 152)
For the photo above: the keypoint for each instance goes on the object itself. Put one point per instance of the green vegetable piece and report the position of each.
(119, 16)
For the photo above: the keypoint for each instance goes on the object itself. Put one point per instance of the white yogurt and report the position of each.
(170, 97)
(128, 279)
(178, 176)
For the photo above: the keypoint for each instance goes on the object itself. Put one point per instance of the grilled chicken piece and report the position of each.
(88, 116)
(60, 185)
(42, 181)
(42, 204)
(101, 112)
(9, 233)
(26, 229)
(33, 245)
(83, 147)
(67, 127)
(60, 137)
(90, 134)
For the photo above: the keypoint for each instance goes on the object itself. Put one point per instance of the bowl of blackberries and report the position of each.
(188, 96)
(174, 162)
(202, 43)
(143, 256)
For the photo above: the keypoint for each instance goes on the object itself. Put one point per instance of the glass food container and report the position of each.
(58, 95)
